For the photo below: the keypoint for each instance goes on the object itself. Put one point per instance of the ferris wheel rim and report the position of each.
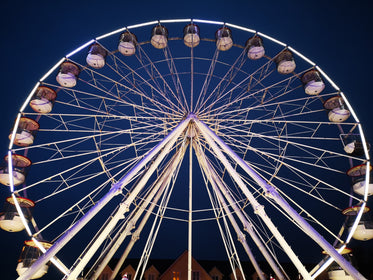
(85, 45)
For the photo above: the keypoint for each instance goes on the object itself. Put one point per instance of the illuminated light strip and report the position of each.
(10, 171)
(80, 48)
(41, 247)
(21, 215)
(272, 39)
(29, 97)
(367, 174)
(142, 24)
(208, 21)
(18, 207)
(15, 127)
(356, 223)
(353, 229)
(182, 20)
(139, 25)
(175, 20)
(111, 33)
(302, 56)
(365, 146)
(241, 28)
(367, 182)
(59, 265)
(52, 69)
(327, 77)
(154, 22)
(349, 107)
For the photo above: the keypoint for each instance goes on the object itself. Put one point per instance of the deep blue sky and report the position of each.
(337, 35)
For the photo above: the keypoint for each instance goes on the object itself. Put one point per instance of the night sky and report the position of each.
(337, 35)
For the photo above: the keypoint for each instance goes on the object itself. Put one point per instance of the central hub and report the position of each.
(191, 130)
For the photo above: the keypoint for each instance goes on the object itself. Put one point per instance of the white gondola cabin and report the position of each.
(159, 37)
(127, 43)
(364, 230)
(10, 219)
(312, 82)
(358, 179)
(96, 56)
(224, 40)
(353, 144)
(358, 185)
(337, 109)
(20, 165)
(191, 35)
(255, 48)
(43, 100)
(285, 62)
(30, 253)
(25, 132)
(68, 74)
(354, 148)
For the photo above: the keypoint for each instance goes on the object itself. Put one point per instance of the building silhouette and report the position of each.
(166, 269)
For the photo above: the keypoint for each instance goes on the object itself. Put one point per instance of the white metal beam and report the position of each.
(152, 198)
(257, 207)
(163, 182)
(116, 189)
(270, 190)
(123, 208)
(220, 188)
(241, 237)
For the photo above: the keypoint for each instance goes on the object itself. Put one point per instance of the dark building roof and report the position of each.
(223, 266)
(160, 264)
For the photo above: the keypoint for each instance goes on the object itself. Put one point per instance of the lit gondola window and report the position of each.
(191, 35)
(159, 37)
(43, 100)
(224, 40)
(30, 253)
(68, 74)
(337, 109)
(127, 43)
(96, 56)
(25, 132)
(20, 166)
(255, 48)
(10, 219)
(312, 82)
(285, 62)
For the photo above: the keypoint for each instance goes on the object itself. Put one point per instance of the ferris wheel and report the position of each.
(194, 122)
